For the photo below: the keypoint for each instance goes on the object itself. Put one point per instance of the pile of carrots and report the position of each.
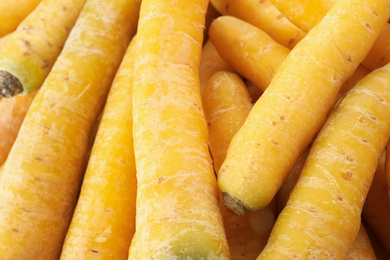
(194, 129)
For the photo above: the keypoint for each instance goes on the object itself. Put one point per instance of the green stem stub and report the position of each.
(9, 85)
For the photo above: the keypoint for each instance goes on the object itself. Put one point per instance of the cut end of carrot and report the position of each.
(9, 85)
(234, 205)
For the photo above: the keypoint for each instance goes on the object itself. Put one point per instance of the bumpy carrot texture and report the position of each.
(295, 105)
(264, 15)
(178, 215)
(103, 223)
(43, 172)
(226, 105)
(376, 210)
(13, 12)
(210, 63)
(307, 13)
(361, 247)
(28, 54)
(12, 113)
(255, 55)
(323, 214)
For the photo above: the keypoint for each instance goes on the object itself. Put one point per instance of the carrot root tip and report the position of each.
(9, 85)
(234, 205)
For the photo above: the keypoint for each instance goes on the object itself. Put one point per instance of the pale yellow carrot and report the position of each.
(103, 223)
(376, 210)
(255, 55)
(323, 214)
(13, 12)
(295, 105)
(361, 248)
(264, 15)
(226, 104)
(210, 63)
(307, 13)
(178, 215)
(43, 172)
(28, 54)
(12, 113)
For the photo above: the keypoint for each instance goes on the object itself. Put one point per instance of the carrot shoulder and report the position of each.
(296, 103)
(42, 175)
(178, 215)
(323, 214)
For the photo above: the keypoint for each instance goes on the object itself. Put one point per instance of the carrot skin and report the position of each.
(42, 175)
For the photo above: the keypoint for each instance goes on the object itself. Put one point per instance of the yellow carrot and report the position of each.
(323, 214)
(376, 210)
(255, 55)
(12, 113)
(210, 63)
(103, 223)
(226, 104)
(13, 12)
(42, 175)
(307, 13)
(28, 54)
(238, 43)
(264, 15)
(295, 105)
(361, 248)
(178, 215)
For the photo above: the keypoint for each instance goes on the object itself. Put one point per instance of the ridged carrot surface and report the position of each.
(323, 214)
(178, 215)
(296, 103)
(42, 175)
(13, 12)
(103, 223)
(28, 54)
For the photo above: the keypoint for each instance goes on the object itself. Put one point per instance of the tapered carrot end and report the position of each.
(234, 205)
(9, 85)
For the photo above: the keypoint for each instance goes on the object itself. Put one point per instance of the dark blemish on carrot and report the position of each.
(46, 129)
(45, 64)
(208, 123)
(27, 43)
(15, 230)
(37, 179)
(374, 12)
(93, 251)
(339, 197)
(373, 118)
(368, 25)
(274, 123)
(161, 179)
(282, 118)
(39, 159)
(364, 140)
(379, 98)
(349, 158)
(349, 58)
(274, 142)
(26, 53)
(280, 16)
(347, 176)
(197, 106)
(64, 8)
(25, 210)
